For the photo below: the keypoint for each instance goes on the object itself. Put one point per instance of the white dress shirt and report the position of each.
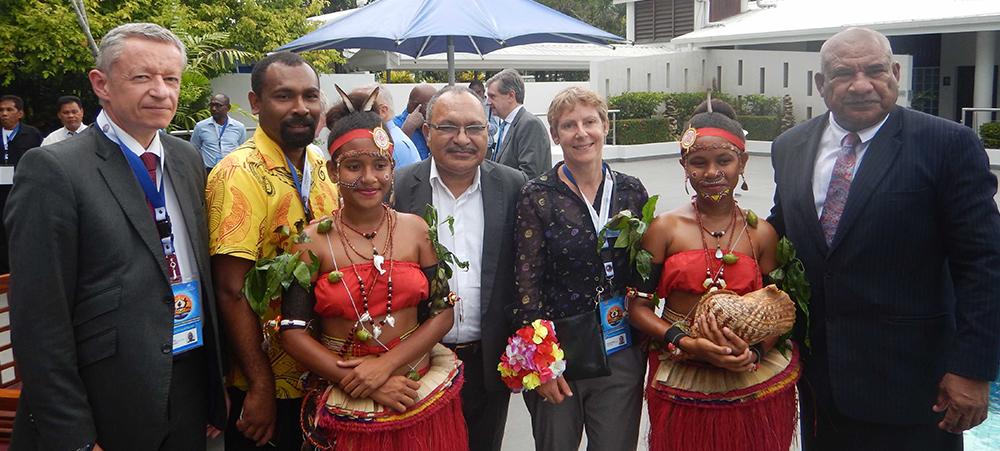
(182, 243)
(829, 150)
(61, 135)
(467, 245)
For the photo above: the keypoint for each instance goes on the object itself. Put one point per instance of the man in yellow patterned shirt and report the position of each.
(271, 182)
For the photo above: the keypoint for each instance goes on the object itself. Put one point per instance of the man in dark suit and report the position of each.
(522, 141)
(17, 136)
(892, 213)
(481, 196)
(112, 312)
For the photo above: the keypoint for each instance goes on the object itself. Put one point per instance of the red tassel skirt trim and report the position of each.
(761, 417)
(435, 423)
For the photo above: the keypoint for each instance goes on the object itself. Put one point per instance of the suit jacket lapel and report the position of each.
(507, 134)
(420, 186)
(494, 217)
(806, 202)
(126, 190)
(877, 160)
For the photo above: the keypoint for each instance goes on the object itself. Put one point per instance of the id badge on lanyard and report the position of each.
(304, 184)
(188, 325)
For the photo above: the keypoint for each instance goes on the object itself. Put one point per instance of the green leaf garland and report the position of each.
(790, 277)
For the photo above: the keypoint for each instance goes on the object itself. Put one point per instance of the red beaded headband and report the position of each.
(692, 134)
(378, 135)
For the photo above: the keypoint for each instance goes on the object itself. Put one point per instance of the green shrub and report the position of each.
(643, 131)
(636, 105)
(686, 102)
(761, 128)
(759, 105)
(990, 133)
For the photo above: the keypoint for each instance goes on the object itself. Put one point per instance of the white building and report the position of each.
(948, 48)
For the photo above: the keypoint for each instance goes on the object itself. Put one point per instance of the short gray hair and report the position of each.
(510, 80)
(113, 43)
(849, 36)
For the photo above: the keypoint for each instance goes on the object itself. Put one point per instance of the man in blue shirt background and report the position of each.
(412, 120)
(219, 134)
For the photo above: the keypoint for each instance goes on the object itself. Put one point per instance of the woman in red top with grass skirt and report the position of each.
(369, 331)
(716, 391)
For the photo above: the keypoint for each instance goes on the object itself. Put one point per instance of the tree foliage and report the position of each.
(43, 53)
(603, 14)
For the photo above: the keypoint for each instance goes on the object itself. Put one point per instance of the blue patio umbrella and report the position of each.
(424, 27)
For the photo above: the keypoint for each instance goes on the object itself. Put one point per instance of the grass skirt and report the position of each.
(698, 407)
(332, 420)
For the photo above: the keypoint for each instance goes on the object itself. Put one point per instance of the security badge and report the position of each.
(188, 325)
(616, 331)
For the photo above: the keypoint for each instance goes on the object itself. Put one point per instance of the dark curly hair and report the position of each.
(340, 120)
(722, 116)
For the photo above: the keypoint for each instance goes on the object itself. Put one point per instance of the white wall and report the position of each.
(693, 71)
(537, 95)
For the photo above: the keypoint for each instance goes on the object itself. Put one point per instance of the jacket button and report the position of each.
(166, 349)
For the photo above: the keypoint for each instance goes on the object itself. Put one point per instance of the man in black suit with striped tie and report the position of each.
(892, 213)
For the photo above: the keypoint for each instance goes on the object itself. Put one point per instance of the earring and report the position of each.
(686, 183)
(392, 191)
(744, 186)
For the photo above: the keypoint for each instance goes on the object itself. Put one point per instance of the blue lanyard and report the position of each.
(12, 134)
(303, 196)
(569, 175)
(222, 132)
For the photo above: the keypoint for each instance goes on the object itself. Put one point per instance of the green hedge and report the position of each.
(761, 128)
(990, 133)
(643, 131)
(636, 105)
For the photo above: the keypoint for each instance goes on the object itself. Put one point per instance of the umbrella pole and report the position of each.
(451, 61)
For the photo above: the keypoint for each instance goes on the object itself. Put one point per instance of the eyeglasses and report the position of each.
(452, 130)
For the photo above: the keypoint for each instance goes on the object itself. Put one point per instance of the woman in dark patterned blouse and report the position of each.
(561, 273)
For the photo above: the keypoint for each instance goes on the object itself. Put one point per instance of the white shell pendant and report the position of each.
(390, 320)
(378, 260)
(376, 331)
(718, 253)
(365, 317)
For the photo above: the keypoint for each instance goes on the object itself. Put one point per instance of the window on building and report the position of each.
(784, 77)
(925, 89)
(649, 81)
(668, 75)
(685, 79)
(739, 73)
(628, 79)
(762, 74)
(809, 112)
(607, 87)
(718, 78)
(809, 83)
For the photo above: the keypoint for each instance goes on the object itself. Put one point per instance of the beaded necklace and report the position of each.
(360, 332)
(718, 281)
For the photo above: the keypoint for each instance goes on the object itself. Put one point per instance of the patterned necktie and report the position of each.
(499, 143)
(150, 160)
(840, 185)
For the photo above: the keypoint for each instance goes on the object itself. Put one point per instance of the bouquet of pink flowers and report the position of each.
(532, 358)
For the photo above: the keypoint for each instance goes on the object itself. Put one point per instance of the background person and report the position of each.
(893, 216)
(404, 152)
(380, 378)
(560, 273)
(218, 135)
(100, 305)
(521, 141)
(412, 119)
(481, 195)
(70, 113)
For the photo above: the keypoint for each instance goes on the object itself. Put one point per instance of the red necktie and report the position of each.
(840, 186)
(150, 160)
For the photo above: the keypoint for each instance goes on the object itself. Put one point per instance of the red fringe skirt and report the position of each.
(758, 417)
(331, 420)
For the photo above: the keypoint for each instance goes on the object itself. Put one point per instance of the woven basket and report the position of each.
(757, 315)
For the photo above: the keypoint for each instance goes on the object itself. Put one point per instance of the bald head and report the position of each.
(419, 97)
(854, 37)
(859, 81)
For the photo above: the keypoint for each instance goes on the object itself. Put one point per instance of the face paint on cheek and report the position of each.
(349, 185)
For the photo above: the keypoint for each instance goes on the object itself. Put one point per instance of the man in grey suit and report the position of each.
(481, 196)
(112, 314)
(522, 141)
